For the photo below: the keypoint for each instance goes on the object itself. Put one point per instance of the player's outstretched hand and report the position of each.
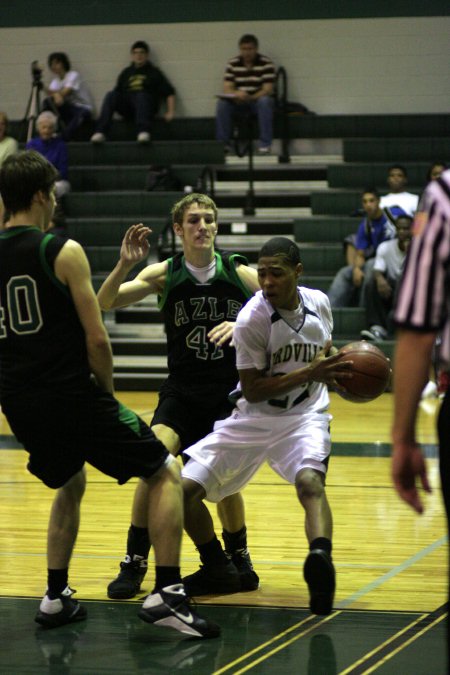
(408, 464)
(135, 246)
(328, 364)
(222, 333)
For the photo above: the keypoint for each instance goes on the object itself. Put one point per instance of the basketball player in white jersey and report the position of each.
(285, 361)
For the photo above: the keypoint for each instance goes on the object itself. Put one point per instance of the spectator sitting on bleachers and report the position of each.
(248, 87)
(397, 179)
(8, 144)
(68, 97)
(348, 286)
(381, 290)
(137, 95)
(53, 148)
(435, 170)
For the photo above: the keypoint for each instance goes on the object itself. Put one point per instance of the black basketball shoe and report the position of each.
(170, 608)
(213, 579)
(319, 574)
(243, 563)
(61, 610)
(128, 582)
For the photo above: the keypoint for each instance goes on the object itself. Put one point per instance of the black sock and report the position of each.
(57, 581)
(235, 541)
(166, 576)
(212, 553)
(321, 542)
(138, 542)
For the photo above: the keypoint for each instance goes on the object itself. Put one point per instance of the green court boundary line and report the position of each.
(375, 449)
(275, 608)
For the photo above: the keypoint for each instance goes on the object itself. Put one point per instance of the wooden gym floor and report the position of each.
(391, 566)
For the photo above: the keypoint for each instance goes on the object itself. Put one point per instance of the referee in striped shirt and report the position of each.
(423, 312)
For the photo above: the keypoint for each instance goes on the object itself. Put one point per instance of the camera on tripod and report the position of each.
(34, 103)
(36, 73)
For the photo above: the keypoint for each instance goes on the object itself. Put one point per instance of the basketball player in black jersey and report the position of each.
(56, 391)
(200, 292)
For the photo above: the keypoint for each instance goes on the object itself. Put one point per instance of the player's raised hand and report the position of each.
(135, 246)
(408, 464)
(222, 333)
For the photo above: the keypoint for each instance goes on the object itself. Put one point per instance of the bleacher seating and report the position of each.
(310, 199)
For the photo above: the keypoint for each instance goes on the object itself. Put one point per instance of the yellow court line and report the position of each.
(382, 645)
(246, 656)
(264, 657)
(404, 644)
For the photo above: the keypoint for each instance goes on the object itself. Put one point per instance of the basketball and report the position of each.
(371, 371)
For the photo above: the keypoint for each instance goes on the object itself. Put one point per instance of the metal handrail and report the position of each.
(206, 181)
(281, 97)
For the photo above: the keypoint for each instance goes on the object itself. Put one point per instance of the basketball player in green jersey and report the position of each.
(56, 391)
(200, 292)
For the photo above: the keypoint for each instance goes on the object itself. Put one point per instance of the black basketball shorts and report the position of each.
(190, 413)
(63, 431)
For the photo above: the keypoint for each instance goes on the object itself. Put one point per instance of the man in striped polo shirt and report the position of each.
(422, 313)
(247, 88)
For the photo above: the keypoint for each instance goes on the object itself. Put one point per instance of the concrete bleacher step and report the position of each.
(237, 213)
(373, 174)
(264, 200)
(263, 171)
(138, 346)
(375, 126)
(156, 152)
(309, 126)
(264, 186)
(109, 231)
(137, 204)
(102, 259)
(87, 177)
(126, 177)
(324, 229)
(340, 201)
(249, 225)
(396, 149)
(129, 203)
(132, 381)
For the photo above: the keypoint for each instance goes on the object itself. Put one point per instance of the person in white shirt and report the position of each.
(397, 179)
(381, 290)
(8, 146)
(68, 96)
(285, 361)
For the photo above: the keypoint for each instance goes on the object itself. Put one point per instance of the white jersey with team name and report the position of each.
(278, 342)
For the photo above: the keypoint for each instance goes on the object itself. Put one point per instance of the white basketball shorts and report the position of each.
(225, 460)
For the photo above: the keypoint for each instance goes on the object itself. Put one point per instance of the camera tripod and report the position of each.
(33, 107)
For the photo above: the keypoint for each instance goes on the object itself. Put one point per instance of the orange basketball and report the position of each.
(371, 372)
